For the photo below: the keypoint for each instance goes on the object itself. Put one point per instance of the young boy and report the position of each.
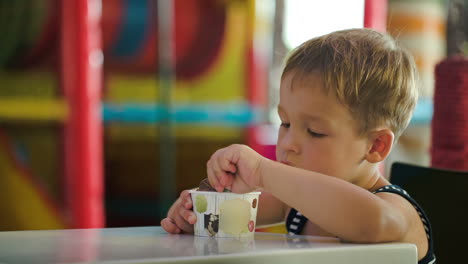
(344, 100)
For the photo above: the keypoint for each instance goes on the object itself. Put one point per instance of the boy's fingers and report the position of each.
(188, 216)
(183, 224)
(227, 179)
(224, 178)
(188, 204)
(216, 170)
(169, 226)
(226, 164)
(186, 199)
(225, 169)
(185, 194)
(220, 176)
(212, 179)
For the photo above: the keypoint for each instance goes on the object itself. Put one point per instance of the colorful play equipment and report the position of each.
(59, 43)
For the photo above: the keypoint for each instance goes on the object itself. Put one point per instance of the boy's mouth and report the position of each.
(286, 162)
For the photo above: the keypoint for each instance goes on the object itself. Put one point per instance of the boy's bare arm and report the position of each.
(270, 209)
(341, 208)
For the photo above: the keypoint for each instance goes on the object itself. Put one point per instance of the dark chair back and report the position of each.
(443, 194)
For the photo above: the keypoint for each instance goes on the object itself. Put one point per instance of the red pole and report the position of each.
(256, 76)
(81, 79)
(375, 14)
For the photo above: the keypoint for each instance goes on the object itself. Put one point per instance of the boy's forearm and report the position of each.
(270, 209)
(339, 207)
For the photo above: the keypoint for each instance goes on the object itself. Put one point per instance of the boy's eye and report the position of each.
(315, 134)
(286, 125)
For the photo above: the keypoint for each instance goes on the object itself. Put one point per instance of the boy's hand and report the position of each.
(180, 218)
(235, 168)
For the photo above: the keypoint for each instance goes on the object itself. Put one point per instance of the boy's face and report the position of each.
(317, 132)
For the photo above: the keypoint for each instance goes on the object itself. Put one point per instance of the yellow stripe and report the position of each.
(33, 109)
(275, 228)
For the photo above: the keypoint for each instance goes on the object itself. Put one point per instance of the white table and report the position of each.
(154, 245)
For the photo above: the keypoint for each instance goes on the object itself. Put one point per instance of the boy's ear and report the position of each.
(381, 142)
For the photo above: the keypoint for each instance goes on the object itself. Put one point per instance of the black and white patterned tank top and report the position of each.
(296, 221)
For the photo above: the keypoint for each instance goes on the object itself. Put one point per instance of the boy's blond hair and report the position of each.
(368, 72)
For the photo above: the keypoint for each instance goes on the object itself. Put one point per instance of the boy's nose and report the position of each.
(289, 142)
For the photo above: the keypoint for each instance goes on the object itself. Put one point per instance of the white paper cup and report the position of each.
(223, 214)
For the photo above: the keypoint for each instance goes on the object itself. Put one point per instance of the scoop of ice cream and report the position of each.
(206, 186)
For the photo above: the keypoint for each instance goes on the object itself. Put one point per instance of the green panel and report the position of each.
(37, 84)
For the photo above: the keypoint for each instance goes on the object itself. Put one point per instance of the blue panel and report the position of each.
(230, 114)
(423, 112)
(134, 28)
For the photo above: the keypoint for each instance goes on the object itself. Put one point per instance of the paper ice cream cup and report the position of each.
(222, 214)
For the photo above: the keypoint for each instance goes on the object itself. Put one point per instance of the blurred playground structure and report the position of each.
(46, 124)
